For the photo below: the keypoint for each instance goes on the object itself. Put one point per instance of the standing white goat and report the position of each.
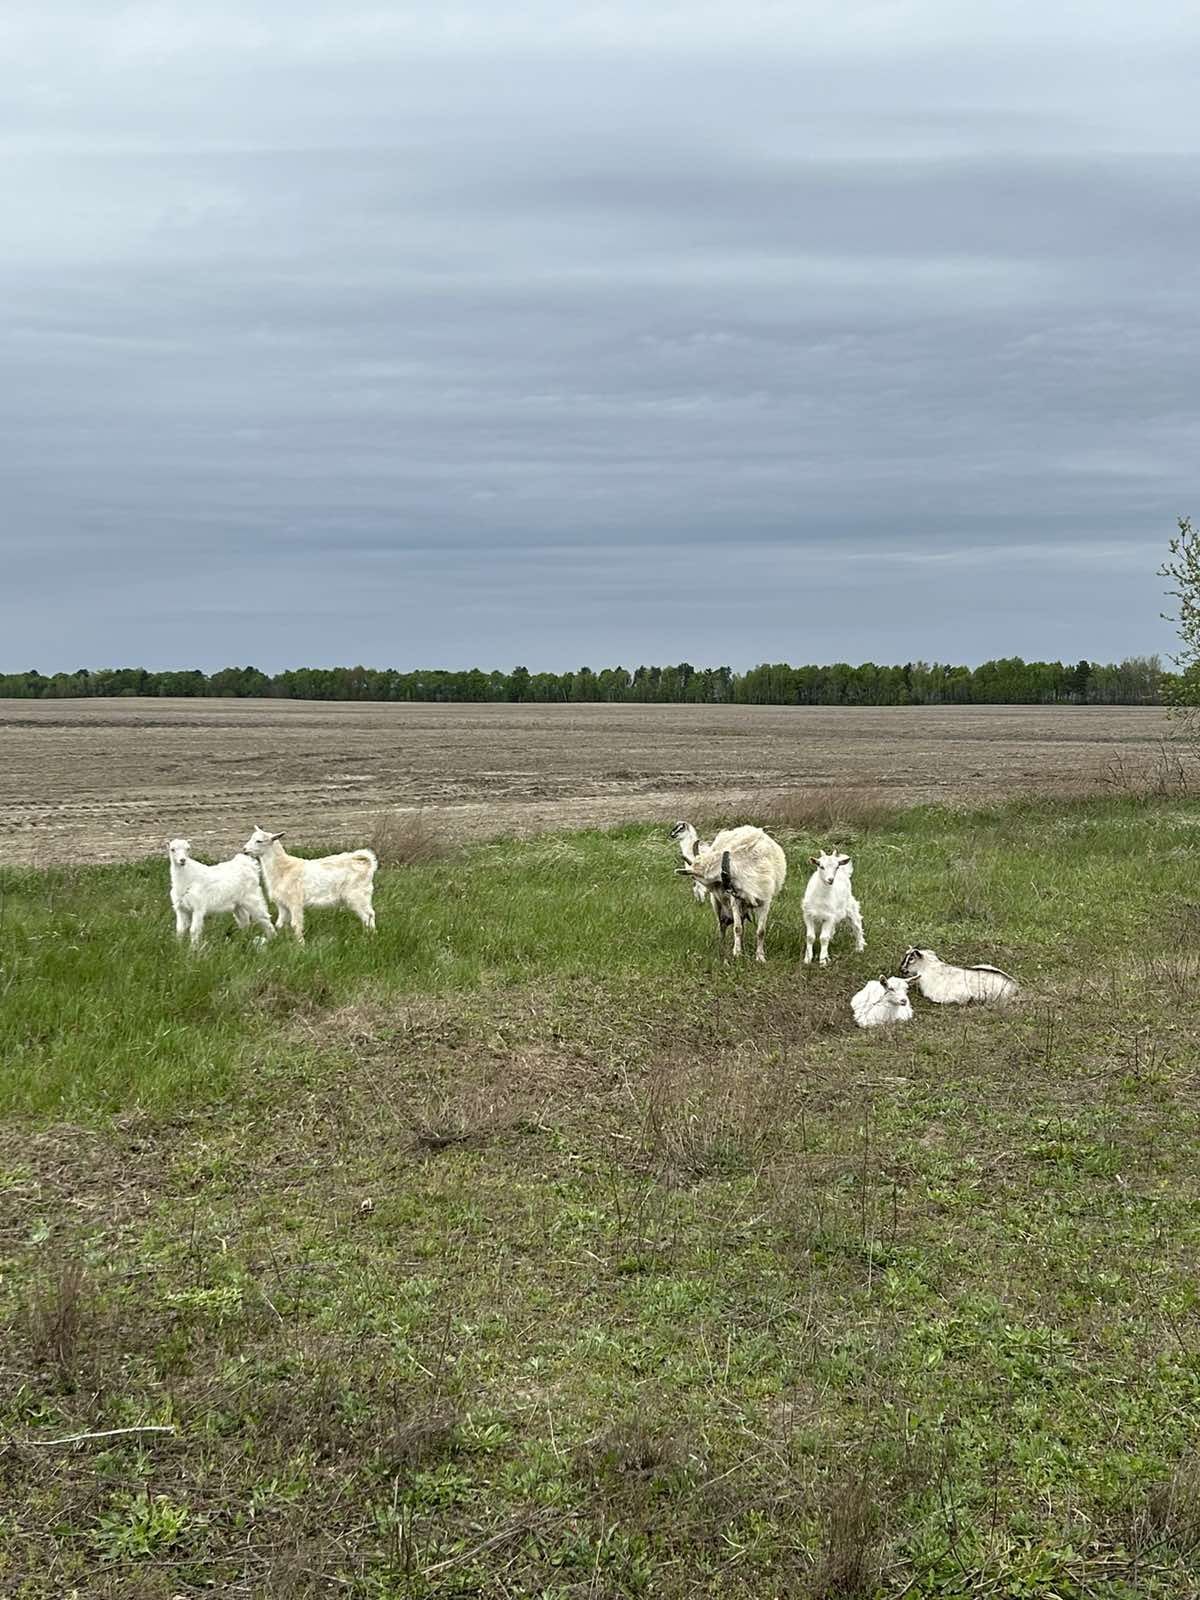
(881, 1001)
(199, 890)
(946, 985)
(295, 882)
(690, 844)
(743, 869)
(829, 901)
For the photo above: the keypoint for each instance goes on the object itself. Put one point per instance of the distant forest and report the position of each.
(1138, 681)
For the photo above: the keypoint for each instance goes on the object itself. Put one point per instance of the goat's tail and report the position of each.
(368, 856)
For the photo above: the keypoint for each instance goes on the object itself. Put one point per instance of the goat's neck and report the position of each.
(272, 861)
(689, 844)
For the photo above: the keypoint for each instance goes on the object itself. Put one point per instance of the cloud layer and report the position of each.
(598, 333)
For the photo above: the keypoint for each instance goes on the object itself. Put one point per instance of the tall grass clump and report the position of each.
(830, 816)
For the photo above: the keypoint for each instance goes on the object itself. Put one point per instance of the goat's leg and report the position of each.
(721, 925)
(810, 931)
(281, 915)
(365, 912)
(735, 906)
(856, 922)
(827, 931)
(296, 918)
(760, 951)
(182, 919)
(258, 914)
(241, 916)
(197, 927)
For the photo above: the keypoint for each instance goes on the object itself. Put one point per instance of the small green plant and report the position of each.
(140, 1526)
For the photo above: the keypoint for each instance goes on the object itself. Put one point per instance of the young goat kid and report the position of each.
(199, 890)
(829, 901)
(881, 1001)
(295, 883)
(956, 986)
(742, 870)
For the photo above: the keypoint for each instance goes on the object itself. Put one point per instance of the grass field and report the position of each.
(526, 1250)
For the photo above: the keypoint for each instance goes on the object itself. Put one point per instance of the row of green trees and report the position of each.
(1139, 680)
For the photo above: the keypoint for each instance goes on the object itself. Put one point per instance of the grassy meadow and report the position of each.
(526, 1249)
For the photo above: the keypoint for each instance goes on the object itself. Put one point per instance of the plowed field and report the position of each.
(110, 780)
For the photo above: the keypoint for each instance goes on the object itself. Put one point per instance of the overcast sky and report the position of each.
(725, 330)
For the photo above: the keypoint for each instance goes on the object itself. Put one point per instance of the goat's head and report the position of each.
(895, 990)
(179, 851)
(914, 960)
(711, 871)
(829, 863)
(680, 829)
(259, 842)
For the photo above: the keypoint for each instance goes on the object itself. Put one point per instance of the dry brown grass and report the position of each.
(406, 839)
(1170, 1516)
(61, 1323)
(832, 815)
(1168, 772)
(722, 1115)
(849, 1564)
(461, 1112)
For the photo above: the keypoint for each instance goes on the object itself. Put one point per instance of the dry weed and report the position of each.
(61, 1320)
(1167, 774)
(724, 1115)
(462, 1113)
(832, 815)
(406, 839)
(1171, 1514)
(849, 1563)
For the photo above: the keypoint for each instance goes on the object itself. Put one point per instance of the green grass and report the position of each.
(525, 1249)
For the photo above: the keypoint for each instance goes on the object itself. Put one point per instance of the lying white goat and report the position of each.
(294, 882)
(743, 869)
(690, 844)
(947, 985)
(199, 890)
(829, 901)
(881, 1001)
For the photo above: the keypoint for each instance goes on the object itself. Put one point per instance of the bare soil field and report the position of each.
(110, 780)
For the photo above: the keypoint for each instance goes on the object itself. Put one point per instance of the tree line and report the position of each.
(1138, 680)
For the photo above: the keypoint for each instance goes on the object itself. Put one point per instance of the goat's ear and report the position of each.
(843, 861)
(277, 836)
(813, 861)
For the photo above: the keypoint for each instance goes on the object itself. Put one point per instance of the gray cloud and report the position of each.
(597, 333)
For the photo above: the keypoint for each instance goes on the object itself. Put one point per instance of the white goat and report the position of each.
(295, 882)
(829, 901)
(199, 890)
(690, 844)
(743, 869)
(947, 985)
(881, 1001)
